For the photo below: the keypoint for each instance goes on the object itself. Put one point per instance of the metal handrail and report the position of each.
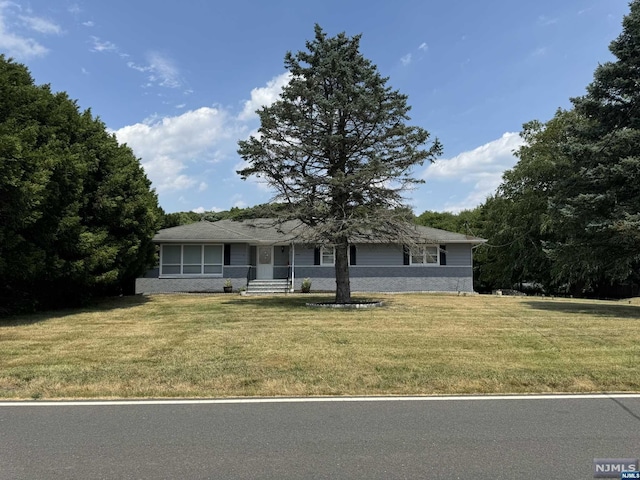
(251, 273)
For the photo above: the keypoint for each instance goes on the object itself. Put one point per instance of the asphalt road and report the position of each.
(444, 439)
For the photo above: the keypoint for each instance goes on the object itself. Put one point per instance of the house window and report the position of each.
(191, 260)
(213, 259)
(426, 255)
(327, 256)
(171, 260)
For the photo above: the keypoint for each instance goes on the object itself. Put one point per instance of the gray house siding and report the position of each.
(459, 254)
(303, 256)
(372, 254)
(239, 254)
(388, 255)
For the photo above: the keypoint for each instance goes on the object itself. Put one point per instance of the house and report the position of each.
(254, 254)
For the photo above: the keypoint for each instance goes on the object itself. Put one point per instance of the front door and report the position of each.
(265, 263)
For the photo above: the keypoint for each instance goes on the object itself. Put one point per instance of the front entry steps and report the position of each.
(268, 287)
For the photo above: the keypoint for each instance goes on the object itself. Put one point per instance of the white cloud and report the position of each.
(138, 68)
(160, 70)
(203, 210)
(239, 203)
(539, 52)
(483, 167)
(546, 21)
(103, 46)
(167, 146)
(423, 46)
(15, 45)
(264, 96)
(163, 71)
(88, 24)
(41, 25)
(406, 60)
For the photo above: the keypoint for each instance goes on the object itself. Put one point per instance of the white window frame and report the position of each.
(181, 265)
(333, 256)
(422, 253)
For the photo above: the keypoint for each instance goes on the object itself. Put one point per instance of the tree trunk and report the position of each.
(343, 286)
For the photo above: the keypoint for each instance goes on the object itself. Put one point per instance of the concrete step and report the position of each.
(267, 286)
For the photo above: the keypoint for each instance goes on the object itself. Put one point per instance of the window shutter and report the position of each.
(316, 256)
(405, 253)
(443, 254)
(352, 254)
(227, 254)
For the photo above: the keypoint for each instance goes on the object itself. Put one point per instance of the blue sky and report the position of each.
(178, 81)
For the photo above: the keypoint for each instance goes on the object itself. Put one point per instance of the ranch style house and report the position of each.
(262, 255)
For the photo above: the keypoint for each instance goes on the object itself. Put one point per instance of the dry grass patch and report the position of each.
(195, 346)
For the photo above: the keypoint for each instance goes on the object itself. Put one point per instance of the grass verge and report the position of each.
(220, 345)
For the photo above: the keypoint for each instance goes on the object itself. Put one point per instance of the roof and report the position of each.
(269, 231)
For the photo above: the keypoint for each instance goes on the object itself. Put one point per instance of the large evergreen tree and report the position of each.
(336, 148)
(596, 206)
(77, 213)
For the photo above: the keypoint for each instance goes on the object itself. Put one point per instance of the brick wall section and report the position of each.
(363, 279)
(391, 279)
(149, 284)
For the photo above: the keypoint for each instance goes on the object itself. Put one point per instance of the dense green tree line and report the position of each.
(567, 216)
(77, 212)
(264, 210)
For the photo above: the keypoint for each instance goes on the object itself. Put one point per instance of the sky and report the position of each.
(179, 81)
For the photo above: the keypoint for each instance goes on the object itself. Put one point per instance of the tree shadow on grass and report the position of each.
(96, 305)
(293, 301)
(613, 310)
(283, 301)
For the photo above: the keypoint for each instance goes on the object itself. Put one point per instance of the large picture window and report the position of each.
(191, 260)
(425, 255)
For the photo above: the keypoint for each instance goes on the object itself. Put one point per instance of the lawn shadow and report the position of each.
(293, 301)
(96, 305)
(614, 310)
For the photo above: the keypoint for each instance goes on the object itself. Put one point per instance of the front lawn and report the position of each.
(227, 345)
